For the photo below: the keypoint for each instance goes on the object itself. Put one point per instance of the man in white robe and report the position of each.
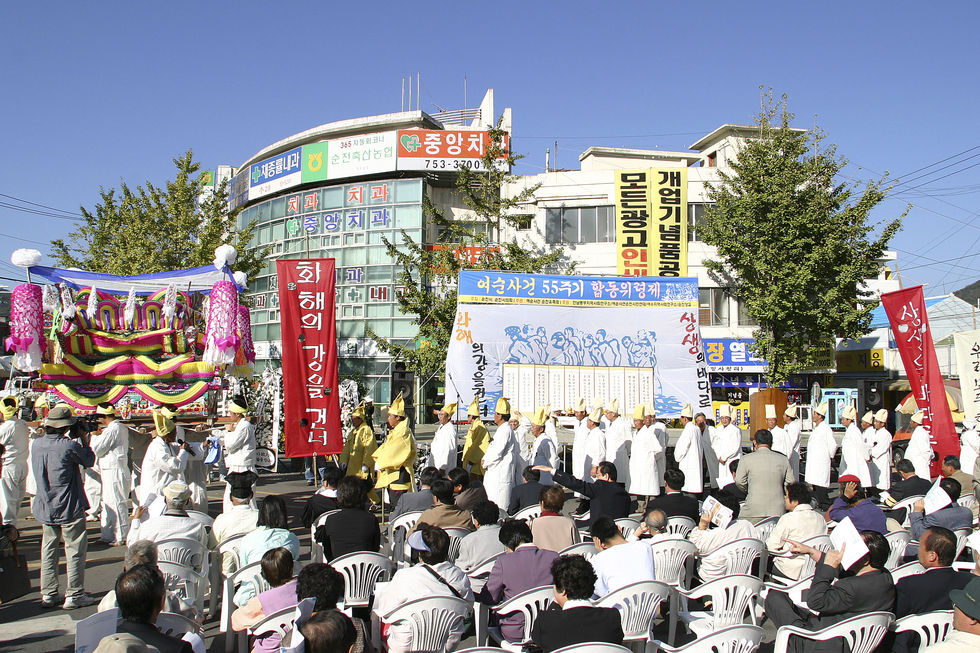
(854, 452)
(919, 450)
(794, 436)
(165, 460)
(618, 436)
(239, 446)
(544, 451)
(708, 434)
(15, 436)
(111, 447)
(502, 460)
(687, 453)
(727, 446)
(880, 447)
(445, 444)
(595, 446)
(581, 431)
(663, 437)
(644, 474)
(780, 439)
(820, 451)
(969, 445)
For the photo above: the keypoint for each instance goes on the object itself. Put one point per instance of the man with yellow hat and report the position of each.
(595, 445)
(919, 450)
(477, 441)
(820, 451)
(395, 458)
(581, 430)
(503, 460)
(358, 452)
(165, 460)
(544, 451)
(239, 446)
(644, 472)
(794, 436)
(15, 436)
(445, 444)
(687, 453)
(854, 452)
(618, 441)
(111, 447)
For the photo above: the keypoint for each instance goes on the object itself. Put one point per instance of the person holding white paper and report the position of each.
(951, 515)
(713, 567)
(832, 599)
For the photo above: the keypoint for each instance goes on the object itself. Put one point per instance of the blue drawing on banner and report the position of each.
(529, 345)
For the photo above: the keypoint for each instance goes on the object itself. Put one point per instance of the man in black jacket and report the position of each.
(673, 502)
(325, 499)
(527, 493)
(929, 590)
(572, 619)
(607, 496)
(910, 486)
(141, 593)
(868, 589)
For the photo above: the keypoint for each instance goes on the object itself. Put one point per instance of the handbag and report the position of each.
(15, 580)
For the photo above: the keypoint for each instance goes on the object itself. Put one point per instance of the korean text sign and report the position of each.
(583, 325)
(431, 149)
(651, 222)
(968, 366)
(906, 310)
(309, 356)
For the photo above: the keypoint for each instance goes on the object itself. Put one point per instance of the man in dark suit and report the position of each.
(523, 567)
(910, 486)
(869, 589)
(468, 494)
(673, 502)
(527, 493)
(141, 594)
(952, 516)
(572, 619)
(325, 498)
(929, 590)
(421, 500)
(607, 497)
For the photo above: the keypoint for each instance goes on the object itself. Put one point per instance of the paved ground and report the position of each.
(25, 626)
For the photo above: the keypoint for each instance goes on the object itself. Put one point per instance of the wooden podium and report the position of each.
(757, 408)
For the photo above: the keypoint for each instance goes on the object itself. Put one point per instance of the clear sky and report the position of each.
(99, 92)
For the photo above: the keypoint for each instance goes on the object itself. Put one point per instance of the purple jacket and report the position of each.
(526, 568)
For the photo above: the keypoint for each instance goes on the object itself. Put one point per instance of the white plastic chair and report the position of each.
(638, 605)
(431, 620)
(251, 573)
(280, 622)
(316, 549)
(764, 528)
(818, 542)
(185, 551)
(679, 526)
(907, 504)
(185, 583)
(586, 549)
(910, 569)
(897, 541)
(90, 630)
(627, 525)
(961, 535)
(731, 596)
(202, 517)
(862, 634)
(932, 627)
(361, 572)
(403, 522)
(230, 547)
(479, 574)
(673, 559)
(966, 500)
(456, 536)
(175, 625)
(529, 603)
(733, 639)
(593, 647)
(529, 514)
(740, 554)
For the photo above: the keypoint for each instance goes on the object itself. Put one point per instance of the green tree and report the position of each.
(429, 273)
(156, 229)
(795, 244)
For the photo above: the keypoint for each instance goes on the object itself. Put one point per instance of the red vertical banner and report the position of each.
(906, 310)
(309, 356)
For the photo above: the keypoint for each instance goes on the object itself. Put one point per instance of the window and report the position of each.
(522, 222)
(744, 319)
(695, 217)
(714, 306)
(589, 224)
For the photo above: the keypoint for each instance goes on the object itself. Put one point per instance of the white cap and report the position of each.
(791, 411)
(850, 413)
(821, 409)
(770, 411)
(688, 412)
(725, 410)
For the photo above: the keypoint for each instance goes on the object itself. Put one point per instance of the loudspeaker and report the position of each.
(874, 395)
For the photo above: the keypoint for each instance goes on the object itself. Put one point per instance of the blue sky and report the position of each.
(95, 93)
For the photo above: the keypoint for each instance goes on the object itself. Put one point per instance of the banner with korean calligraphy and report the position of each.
(906, 312)
(968, 366)
(608, 337)
(651, 222)
(309, 356)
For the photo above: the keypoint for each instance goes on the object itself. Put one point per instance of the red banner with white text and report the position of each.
(906, 310)
(311, 402)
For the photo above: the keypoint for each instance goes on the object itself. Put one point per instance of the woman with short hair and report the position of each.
(353, 528)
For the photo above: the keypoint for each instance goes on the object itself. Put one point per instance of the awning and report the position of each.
(191, 280)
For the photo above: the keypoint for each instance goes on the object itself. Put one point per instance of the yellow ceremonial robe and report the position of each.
(359, 451)
(477, 441)
(397, 452)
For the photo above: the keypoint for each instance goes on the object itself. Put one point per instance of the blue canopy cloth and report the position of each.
(191, 280)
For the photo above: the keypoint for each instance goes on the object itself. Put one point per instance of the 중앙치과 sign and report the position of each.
(651, 222)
